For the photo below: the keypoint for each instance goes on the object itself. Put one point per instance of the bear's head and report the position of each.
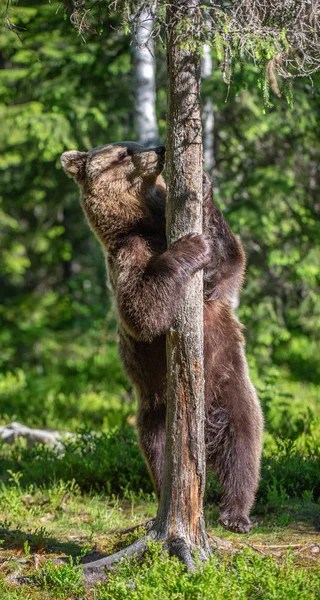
(116, 181)
(125, 163)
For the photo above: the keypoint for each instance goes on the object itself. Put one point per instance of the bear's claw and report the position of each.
(238, 524)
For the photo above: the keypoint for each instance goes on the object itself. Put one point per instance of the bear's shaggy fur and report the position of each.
(123, 197)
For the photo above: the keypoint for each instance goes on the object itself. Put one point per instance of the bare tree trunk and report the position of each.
(207, 113)
(180, 518)
(144, 83)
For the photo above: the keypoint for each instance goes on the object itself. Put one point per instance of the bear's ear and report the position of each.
(73, 163)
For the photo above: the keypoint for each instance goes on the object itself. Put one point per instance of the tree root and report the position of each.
(178, 547)
(96, 571)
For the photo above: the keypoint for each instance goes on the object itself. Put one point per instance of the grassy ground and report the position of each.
(48, 525)
(280, 558)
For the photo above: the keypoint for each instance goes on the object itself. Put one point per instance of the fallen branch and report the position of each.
(9, 434)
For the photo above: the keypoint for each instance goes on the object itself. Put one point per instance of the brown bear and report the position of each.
(123, 196)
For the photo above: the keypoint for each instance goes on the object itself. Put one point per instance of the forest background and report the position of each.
(59, 366)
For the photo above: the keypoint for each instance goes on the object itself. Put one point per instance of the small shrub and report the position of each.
(288, 473)
(243, 576)
(62, 580)
(111, 462)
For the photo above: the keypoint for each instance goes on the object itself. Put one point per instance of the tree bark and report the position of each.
(180, 519)
(144, 83)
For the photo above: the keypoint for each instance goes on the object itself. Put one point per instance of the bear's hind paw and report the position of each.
(238, 524)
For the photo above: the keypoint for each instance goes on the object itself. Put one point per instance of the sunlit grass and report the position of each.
(39, 527)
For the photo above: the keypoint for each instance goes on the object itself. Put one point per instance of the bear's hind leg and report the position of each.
(152, 439)
(234, 449)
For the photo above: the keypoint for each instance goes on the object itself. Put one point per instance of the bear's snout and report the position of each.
(160, 150)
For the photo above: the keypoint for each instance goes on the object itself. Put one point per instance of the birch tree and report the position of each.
(207, 112)
(144, 82)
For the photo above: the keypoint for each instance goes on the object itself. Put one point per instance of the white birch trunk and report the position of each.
(207, 114)
(144, 83)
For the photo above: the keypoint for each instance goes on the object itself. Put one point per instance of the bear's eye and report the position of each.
(125, 154)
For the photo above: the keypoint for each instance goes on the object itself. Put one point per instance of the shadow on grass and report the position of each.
(38, 542)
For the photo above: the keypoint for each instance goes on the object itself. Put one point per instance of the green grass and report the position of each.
(81, 383)
(41, 526)
(58, 505)
(242, 576)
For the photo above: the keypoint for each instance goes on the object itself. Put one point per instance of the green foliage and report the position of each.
(244, 576)
(290, 409)
(112, 462)
(78, 523)
(109, 461)
(280, 44)
(290, 469)
(81, 382)
(59, 366)
(55, 95)
(288, 473)
(266, 181)
(66, 579)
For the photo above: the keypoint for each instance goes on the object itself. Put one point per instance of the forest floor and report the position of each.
(280, 558)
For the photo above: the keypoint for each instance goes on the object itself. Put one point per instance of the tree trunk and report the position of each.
(180, 518)
(144, 83)
(207, 113)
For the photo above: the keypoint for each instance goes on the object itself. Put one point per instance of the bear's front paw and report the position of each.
(194, 249)
(236, 523)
